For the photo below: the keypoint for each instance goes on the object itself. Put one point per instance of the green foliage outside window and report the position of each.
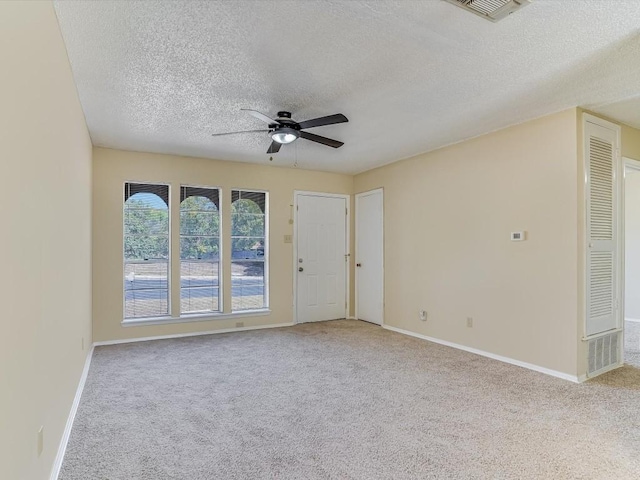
(146, 231)
(247, 220)
(199, 228)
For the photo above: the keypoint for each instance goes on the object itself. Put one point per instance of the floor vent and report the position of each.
(493, 10)
(603, 353)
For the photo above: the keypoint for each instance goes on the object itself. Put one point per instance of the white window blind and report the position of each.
(146, 250)
(199, 249)
(249, 250)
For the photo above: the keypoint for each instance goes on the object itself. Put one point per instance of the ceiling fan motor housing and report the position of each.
(284, 120)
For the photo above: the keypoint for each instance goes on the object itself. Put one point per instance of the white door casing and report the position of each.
(602, 239)
(370, 256)
(321, 257)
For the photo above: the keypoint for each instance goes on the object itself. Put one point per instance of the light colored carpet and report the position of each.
(632, 343)
(343, 400)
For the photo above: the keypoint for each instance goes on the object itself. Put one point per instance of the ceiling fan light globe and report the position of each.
(284, 136)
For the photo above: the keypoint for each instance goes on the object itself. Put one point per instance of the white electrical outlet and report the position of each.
(423, 315)
(470, 322)
(518, 236)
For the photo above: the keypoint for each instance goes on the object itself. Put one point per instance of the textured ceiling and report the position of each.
(411, 76)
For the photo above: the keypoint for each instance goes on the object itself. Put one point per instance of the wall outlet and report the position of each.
(40, 440)
(239, 324)
(423, 315)
(288, 239)
(470, 322)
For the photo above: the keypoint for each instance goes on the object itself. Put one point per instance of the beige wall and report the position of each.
(448, 218)
(630, 138)
(111, 168)
(631, 149)
(45, 291)
(632, 244)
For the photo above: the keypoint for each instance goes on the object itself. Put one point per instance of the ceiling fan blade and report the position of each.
(241, 131)
(323, 140)
(274, 147)
(319, 122)
(260, 116)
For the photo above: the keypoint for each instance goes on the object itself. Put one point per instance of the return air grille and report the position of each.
(493, 10)
(603, 354)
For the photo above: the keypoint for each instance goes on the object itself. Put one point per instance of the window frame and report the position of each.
(267, 250)
(146, 262)
(222, 314)
(221, 270)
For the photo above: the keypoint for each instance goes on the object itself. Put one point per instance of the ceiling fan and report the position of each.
(284, 130)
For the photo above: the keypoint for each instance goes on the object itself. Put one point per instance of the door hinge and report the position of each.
(346, 212)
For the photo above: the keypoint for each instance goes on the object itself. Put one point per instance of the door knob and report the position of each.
(300, 269)
(358, 264)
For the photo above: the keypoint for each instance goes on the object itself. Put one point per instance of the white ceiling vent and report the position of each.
(493, 10)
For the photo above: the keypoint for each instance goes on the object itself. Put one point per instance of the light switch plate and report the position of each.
(288, 239)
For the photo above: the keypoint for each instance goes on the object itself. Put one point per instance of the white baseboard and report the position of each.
(193, 334)
(57, 464)
(636, 320)
(352, 318)
(530, 366)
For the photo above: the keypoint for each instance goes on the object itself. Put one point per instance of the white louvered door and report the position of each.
(602, 270)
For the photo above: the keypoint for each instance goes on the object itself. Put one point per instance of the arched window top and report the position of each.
(201, 198)
(253, 202)
(146, 200)
(245, 205)
(198, 203)
(154, 196)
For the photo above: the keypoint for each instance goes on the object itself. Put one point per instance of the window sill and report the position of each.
(197, 317)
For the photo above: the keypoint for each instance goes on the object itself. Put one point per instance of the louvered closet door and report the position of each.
(602, 262)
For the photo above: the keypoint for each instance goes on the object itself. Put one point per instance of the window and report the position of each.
(199, 250)
(146, 250)
(249, 250)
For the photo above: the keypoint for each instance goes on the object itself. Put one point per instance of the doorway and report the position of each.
(632, 262)
(321, 256)
(370, 256)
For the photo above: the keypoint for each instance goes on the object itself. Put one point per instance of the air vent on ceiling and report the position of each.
(493, 10)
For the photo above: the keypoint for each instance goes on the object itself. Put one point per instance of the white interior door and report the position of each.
(321, 263)
(370, 256)
(601, 162)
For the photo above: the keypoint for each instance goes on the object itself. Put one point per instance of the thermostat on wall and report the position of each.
(517, 236)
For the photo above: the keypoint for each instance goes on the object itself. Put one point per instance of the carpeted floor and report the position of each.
(343, 400)
(632, 343)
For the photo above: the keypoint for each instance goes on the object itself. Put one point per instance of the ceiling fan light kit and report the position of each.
(284, 130)
(285, 135)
